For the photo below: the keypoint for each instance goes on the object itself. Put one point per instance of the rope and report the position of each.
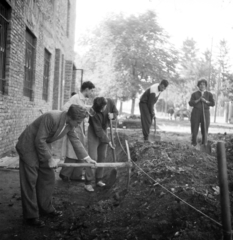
(219, 224)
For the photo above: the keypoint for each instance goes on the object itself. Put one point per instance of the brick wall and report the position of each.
(47, 20)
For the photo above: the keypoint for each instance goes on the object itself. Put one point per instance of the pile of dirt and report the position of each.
(170, 184)
(149, 210)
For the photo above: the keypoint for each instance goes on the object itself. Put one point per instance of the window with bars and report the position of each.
(47, 57)
(29, 64)
(4, 16)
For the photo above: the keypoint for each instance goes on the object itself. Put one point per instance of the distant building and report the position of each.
(37, 72)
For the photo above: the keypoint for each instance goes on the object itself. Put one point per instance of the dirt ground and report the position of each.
(170, 183)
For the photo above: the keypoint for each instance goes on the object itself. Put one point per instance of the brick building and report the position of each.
(37, 73)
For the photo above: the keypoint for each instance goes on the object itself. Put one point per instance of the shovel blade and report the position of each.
(155, 138)
(205, 148)
(111, 178)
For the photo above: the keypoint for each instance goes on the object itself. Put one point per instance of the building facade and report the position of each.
(37, 72)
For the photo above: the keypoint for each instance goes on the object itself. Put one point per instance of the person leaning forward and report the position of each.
(67, 173)
(37, 176)
(200, 99)
(98, 140)
(146, 106)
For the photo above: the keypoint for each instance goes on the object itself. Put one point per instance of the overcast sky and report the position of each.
(203, 20)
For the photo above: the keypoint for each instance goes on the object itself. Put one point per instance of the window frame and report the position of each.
(29, 64)
(4, 28)
(47, 60)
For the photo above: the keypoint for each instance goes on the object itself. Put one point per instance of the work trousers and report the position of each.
(196, 120)
(146, 120)
(71, 172)
(37, 186)
(88, 171)
(97, 151)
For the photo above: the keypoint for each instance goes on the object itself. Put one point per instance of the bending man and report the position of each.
(146, 106)
(98, 140)
(37, 176)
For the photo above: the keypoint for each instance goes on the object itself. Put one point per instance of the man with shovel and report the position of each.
(201, 101)
(146, 106)
(98, 139)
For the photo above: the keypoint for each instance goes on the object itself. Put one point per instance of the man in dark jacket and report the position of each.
(146, 106)
(37, 177)
(98, 140)
(199, 100)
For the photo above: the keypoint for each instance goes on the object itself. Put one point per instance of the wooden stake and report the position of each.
(224, 191)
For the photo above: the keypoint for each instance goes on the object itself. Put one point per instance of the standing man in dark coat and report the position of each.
(199, 99)
(37, 176)
(146, 106)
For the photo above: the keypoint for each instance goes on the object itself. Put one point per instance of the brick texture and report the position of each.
(47, 20)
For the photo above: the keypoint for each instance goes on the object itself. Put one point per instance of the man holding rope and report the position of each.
(37, 176)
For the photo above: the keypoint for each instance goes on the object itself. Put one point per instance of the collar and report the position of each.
(81, 96)
(202, 92)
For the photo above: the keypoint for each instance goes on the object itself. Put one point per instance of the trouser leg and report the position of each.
(45, 189)
(28, 181)
(146, 120)
(102, 153)
(93, 143)
(67, 171)
(195, 122)
(207, 120)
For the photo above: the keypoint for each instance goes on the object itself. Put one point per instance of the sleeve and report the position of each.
(192, 100)
(79, 149)
(42, 147)
(73, 100)
(151, 103)
(211, 100)
(100, 133)
(114, 110)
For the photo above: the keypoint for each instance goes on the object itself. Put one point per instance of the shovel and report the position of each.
(155, 137)
(113, 174)
(205, 147)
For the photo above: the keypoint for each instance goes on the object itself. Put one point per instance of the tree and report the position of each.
(132, 52)
(188, 71)
(224, 67)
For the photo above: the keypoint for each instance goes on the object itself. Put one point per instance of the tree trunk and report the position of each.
(133, 105)
(216, 101)
(121, 107)
(116, 101)
(226, 112)
(230, 113)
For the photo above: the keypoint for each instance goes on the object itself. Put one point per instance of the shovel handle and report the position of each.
(155, 124)
(204, 120)
(112, 140)
(129, 162)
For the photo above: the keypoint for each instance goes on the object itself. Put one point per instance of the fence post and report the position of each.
(224, 191)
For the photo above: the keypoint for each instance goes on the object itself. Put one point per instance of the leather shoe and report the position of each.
(35, 222)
